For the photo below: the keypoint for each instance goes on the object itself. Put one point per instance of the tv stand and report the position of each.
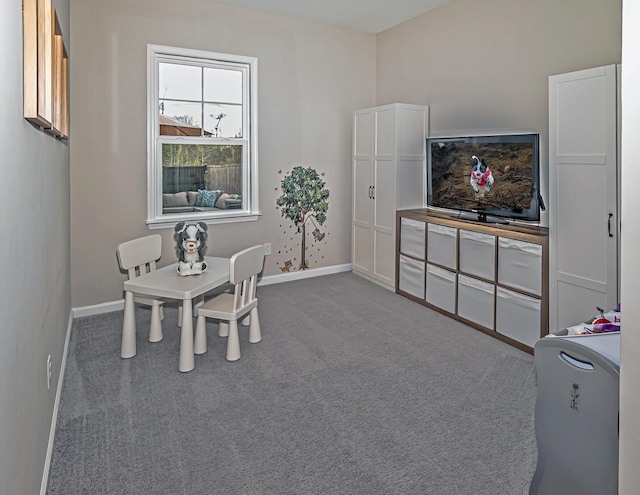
(479, 217)
(492, 277)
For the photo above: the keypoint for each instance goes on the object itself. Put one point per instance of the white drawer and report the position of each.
(518, 316)
(442, 245)
(412, 237)
(478, 254)
(411, 276)
(441, 288)
(520, 265)
(476, 301)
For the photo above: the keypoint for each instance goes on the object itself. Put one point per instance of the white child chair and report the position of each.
(138, 257)
(244, 268)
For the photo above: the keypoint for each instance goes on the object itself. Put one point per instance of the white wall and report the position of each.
(311, 78)
(34, 275)
(630, 283)
(483, 67)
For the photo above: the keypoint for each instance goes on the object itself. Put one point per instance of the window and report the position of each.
(202, 138)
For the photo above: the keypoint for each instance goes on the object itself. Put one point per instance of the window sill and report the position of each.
(169, 221)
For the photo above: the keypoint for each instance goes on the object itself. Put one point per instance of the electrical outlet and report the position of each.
(267, 249)
(48, 371)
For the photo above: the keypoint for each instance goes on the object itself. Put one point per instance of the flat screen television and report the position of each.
(485, 178)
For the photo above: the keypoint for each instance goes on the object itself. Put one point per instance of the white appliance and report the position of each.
(576, 415)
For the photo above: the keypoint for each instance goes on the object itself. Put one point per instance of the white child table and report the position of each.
(166, 283)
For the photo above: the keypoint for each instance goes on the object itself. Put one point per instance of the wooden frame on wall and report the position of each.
(60, 121)
(46, 69)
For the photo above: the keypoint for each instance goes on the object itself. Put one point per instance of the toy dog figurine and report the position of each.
(480, 176)
(191, 242)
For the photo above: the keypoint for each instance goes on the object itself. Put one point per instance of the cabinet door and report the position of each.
(361, 255)
(583, 212)
(411, 165)
(384, 193)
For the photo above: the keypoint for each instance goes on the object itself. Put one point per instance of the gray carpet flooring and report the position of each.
(353, 390)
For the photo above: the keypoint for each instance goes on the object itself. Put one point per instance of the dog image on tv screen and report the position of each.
(481, 175)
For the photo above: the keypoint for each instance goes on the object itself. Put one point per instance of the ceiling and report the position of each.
(372, 16)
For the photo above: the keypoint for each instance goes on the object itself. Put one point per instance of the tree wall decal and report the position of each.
(304, 198)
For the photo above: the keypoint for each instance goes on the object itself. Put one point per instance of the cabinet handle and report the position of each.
(369, 192)
(373, 192)
(609, 224)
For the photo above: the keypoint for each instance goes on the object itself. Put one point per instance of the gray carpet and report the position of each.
(353, 390)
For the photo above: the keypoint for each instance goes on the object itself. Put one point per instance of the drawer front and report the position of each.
(412, 237)
(518, 316)
(476, 301)
(478, 254)
(411, 276)
(441, 288)
(520, 265)
(442, 245)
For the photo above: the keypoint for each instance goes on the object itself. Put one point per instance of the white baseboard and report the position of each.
(111, 306)
(299, 275)
(56, 407)
(98, 309)
(375, 281)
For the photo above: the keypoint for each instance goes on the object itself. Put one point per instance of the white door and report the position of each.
(583, 211)
(384, 210)
(361, 255)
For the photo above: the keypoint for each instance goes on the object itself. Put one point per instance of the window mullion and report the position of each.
(202, 100)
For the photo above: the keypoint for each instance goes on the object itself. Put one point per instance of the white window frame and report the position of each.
(250, 211)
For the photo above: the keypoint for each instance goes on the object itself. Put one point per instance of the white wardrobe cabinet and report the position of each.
(584, 221)
(494, 278)
(389, 164)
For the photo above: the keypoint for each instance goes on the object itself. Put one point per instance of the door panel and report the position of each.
(361, 256)
(362, 191)
(362, 182)
(384, 247)
(384, 213)
(583, 202)
(581, 236)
